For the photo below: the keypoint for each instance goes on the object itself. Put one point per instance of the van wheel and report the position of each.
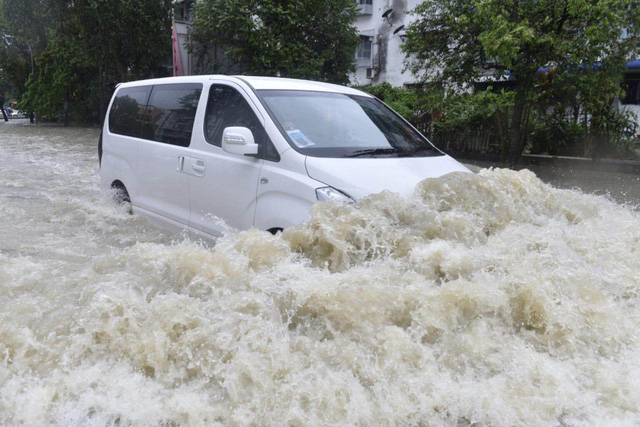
(100, 150)
(121, 195)
(275, 230)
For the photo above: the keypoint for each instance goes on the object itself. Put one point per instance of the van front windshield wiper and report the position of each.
(428, 152)
(373, 152)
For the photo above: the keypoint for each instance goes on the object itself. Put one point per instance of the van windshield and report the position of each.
(322, 124)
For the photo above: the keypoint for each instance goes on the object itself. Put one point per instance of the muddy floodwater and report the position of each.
(484, 299)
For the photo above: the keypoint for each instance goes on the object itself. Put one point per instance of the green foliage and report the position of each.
(404, 101)
(615, 132)
(457, 43)
(313, 39)
(120, 40)
(14, 69)
(553, 134)
(472, 109)
(46, 90)
(519, 35)
(121, 36)
(82, 49)
(25, 28)
(471, 115)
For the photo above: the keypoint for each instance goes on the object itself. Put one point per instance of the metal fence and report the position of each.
(478, 140)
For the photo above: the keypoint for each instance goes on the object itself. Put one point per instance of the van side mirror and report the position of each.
(239, 140)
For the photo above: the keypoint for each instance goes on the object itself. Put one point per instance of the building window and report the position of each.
(182, 11)
(363, 53)
(631, 88)
(364, 7)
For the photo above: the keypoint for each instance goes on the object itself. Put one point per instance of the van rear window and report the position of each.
(163, 113)
(128, 111)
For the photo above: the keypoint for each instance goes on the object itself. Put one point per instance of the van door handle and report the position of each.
(198, 166)
(180, 167)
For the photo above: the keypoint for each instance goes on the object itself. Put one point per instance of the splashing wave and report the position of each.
(488, 299)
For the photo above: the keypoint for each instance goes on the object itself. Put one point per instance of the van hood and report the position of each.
(361, 177)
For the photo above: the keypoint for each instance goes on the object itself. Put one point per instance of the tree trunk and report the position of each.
(4, 113)
(500, 132)
(515, 131)
(65, 108)
(103, 95)
(586, 133)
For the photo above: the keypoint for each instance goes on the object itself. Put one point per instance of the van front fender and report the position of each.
(278, 209)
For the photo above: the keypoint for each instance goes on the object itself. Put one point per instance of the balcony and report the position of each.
(363, 62)
(364, 9)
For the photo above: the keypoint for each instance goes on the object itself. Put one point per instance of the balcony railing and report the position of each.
(363, 62)
(364, 9)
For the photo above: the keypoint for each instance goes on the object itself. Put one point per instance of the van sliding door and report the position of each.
(164, 185)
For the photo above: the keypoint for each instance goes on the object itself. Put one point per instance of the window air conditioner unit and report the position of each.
(371, 73)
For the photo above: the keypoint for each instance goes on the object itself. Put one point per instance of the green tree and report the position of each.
(94, 45)
(121, 39)
(24, 27)
(46, 90)
(313, 39)
(459, 42)
(404, 101)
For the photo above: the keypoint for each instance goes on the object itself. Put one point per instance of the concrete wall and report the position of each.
(183, 38)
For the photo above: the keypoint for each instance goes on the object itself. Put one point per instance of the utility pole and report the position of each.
(31, 54)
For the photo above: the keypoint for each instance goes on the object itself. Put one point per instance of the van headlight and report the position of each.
(330, 193)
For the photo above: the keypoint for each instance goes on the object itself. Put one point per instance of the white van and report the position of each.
(207, 153)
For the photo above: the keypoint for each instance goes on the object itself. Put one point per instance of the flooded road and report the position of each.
(621, 185)
(490, 299)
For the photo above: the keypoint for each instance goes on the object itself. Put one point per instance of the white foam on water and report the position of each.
(489, 298)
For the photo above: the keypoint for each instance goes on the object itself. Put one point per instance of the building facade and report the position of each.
(630, 101)
(182, 20)
(379, 58)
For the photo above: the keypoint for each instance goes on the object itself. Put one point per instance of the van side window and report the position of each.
(227, 107)
(128, 110)
(170, 113)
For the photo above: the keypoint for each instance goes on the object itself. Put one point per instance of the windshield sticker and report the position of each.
(299, 138)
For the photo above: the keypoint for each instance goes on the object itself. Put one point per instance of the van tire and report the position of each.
(100, 150)
(120, 195)
(275, 230)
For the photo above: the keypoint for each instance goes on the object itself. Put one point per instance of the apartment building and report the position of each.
(379, 58)
(381, 26)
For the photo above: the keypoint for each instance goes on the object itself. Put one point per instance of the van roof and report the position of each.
(280, 83)
(257, 83)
